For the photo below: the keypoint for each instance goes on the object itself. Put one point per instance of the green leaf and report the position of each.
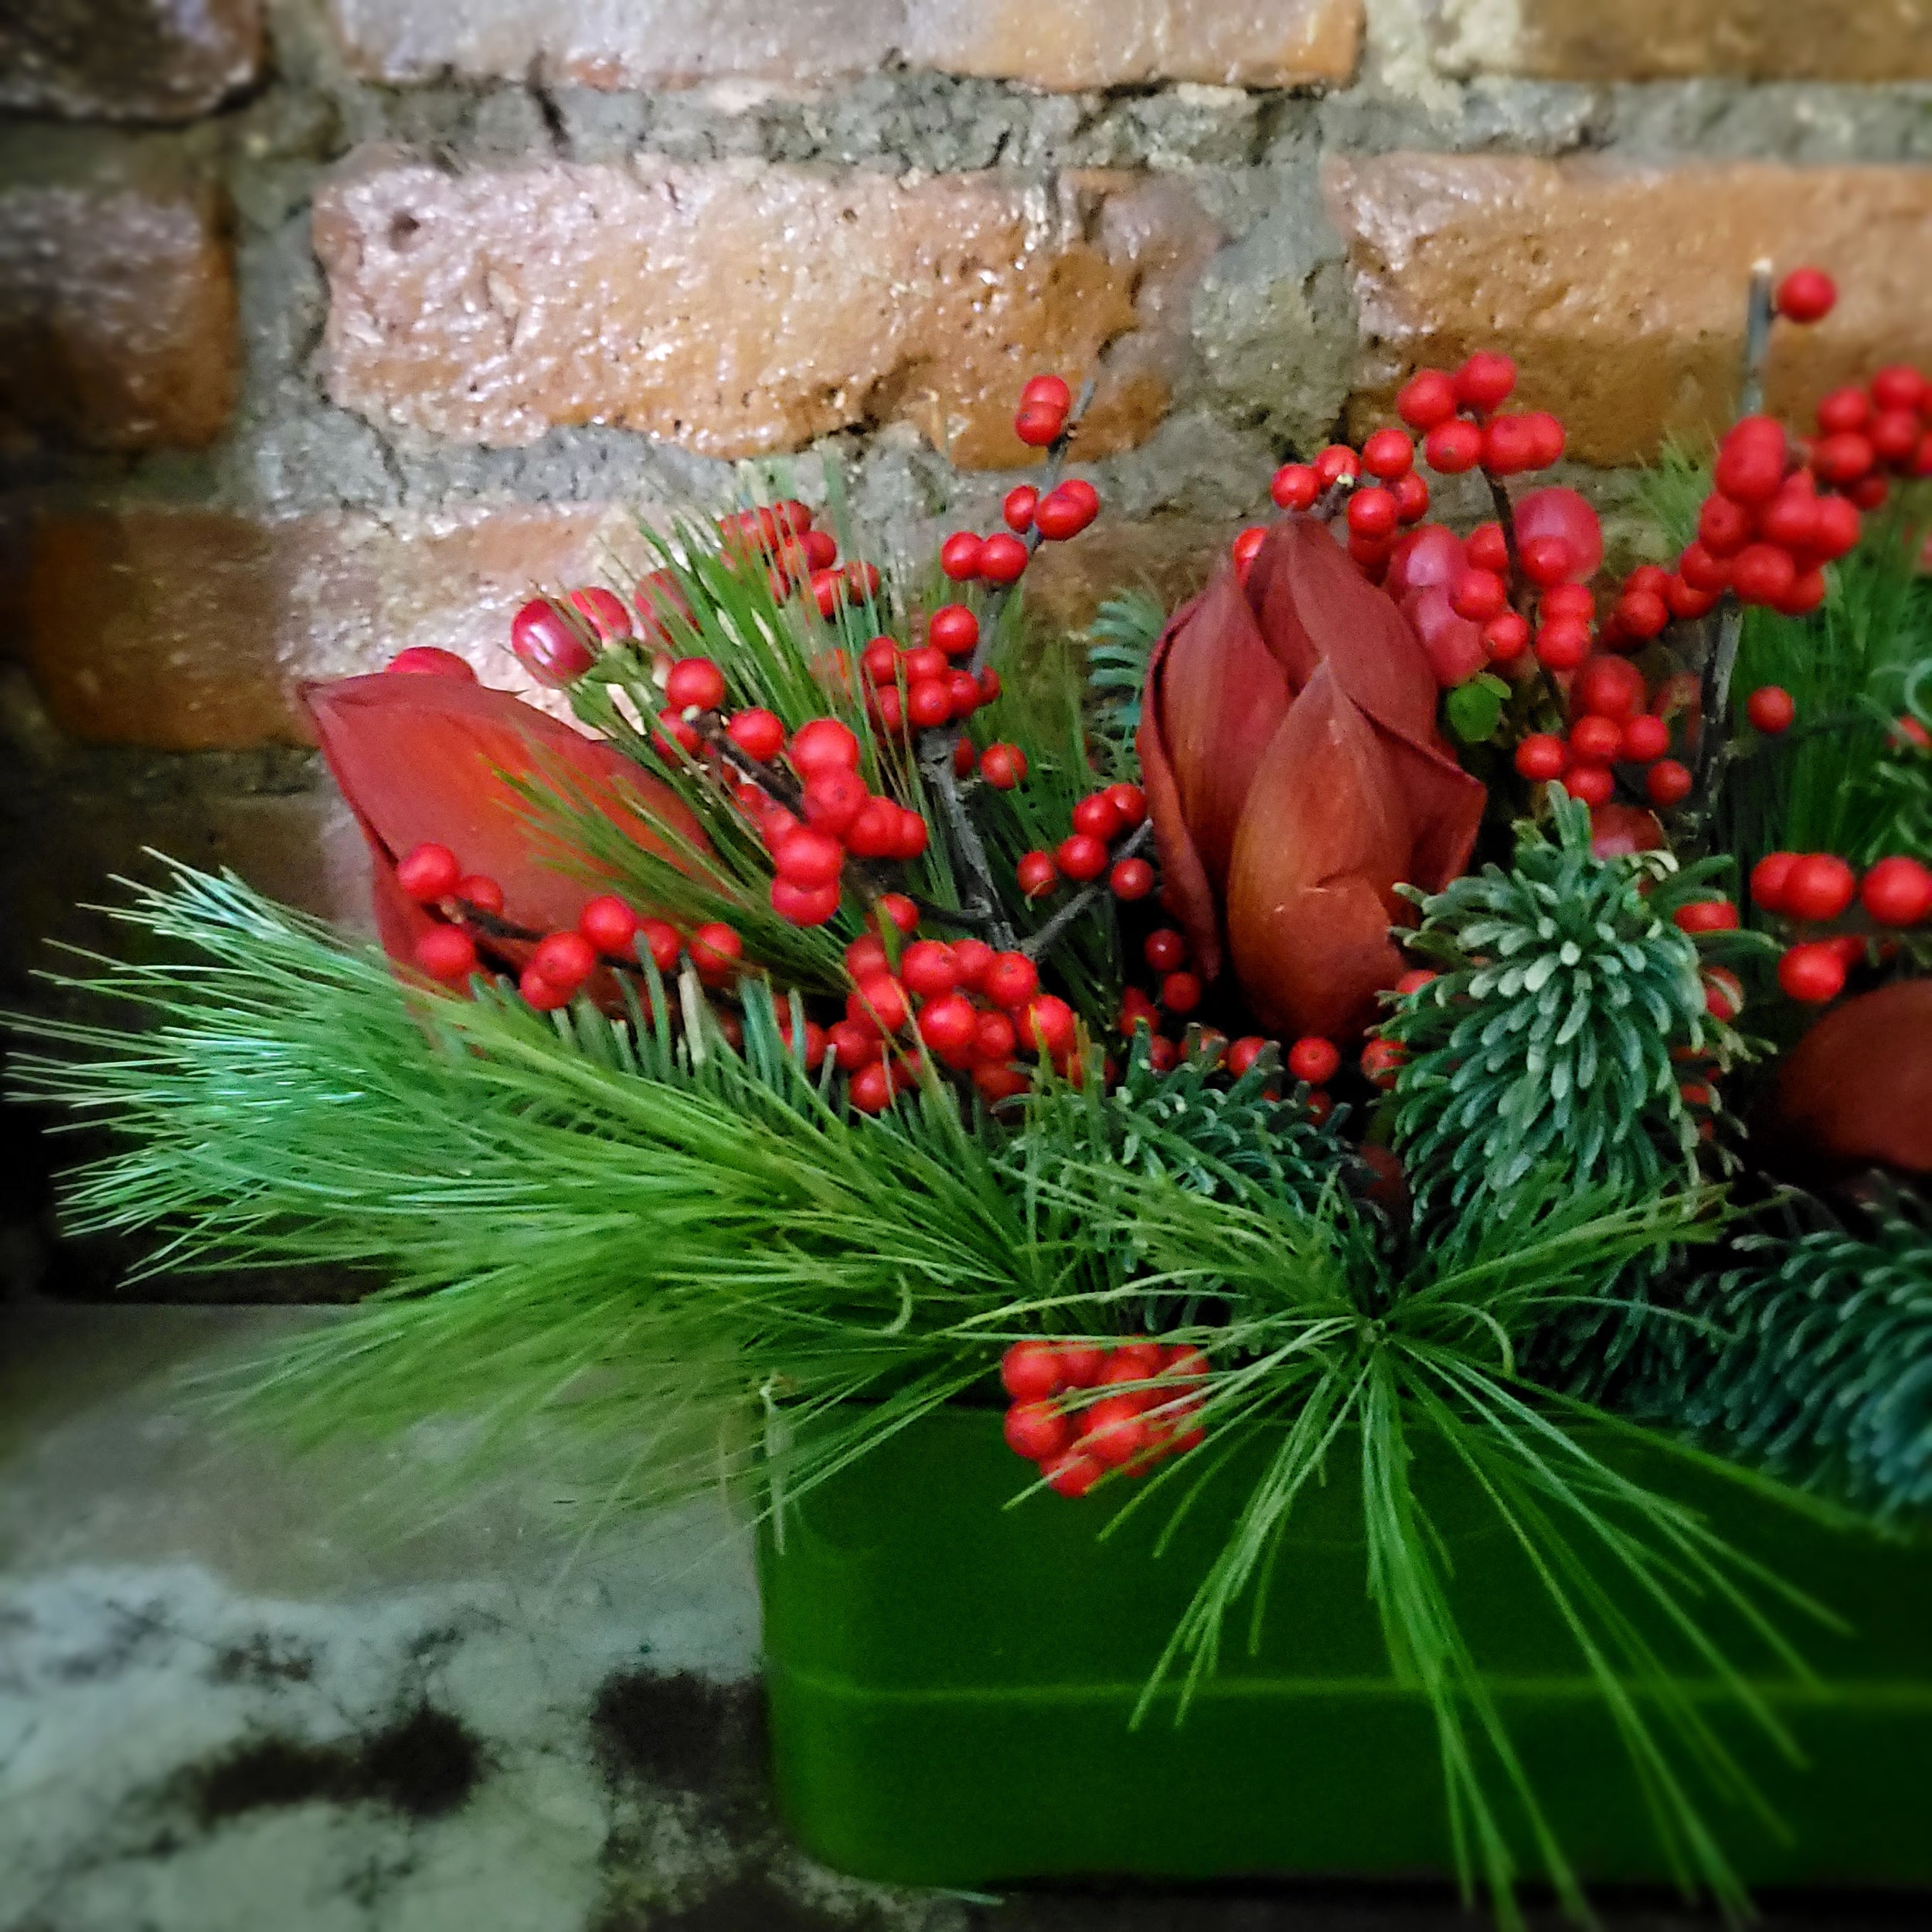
(1475, 710)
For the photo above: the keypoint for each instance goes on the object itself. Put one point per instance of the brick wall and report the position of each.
(329, 326)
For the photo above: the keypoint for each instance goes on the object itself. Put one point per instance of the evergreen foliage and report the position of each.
(1118, 643)
(1814, 1355)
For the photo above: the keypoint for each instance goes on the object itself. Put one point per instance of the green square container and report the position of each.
(951, 1682)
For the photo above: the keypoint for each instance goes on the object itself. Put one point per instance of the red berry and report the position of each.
(1806, 593)
(1563, 644)
(852, 1046)
(663, 942)
(1388, 453)
(1036, 1430)
(1453, 446)
(1819, 887)
(993, 1038)
(927, 968)
(1411, 494)
(1844, 410)
(1895, 435)
(833, 800)
(1131, 879)
(804, 905)
(880, 661)
(1897, 892)
(1011, 980)
(548, 644)
(1313, 1060)
(1770, 709)
(1485, 379)
(874, 831)
(1596, 740)
(1707, 915)
(808, 859)
(1295, 487)
(1045, 1025)
(1762, 574)
(1244, 1052)
(1381, 1061)
(1645, 737)
(1769, 877)
(1505, 636)
(716, 950)
(758, 733)
(970, 959)
(1181, 993)
(1372, 513)
(1427, 398)
(1668, 783)
(1844, 457)
(566, 960)
(538, 992)
(1643, 613)
(1508, 446)
(878, 1002)
(480, 893)
(1002, 557)
(1839, 525)
(1047, 391)
(1541, 758)
(1037, 425)
(1806, 295)
(1478, 595)
(609, 925)
(1899, 386)
(1723, 527)
(1334, 463)
(823, 744)
(1071, 1473)
(673, 735)
(1246, 547)
(427, 873)
(887, 710)
(1128, 801)
(1723, 994)
(948, 1025)
(1082, 856)
(1003, 765)
(1608, 688)
(1751, 460)
(431, 661)
(1065, 512)
(909, 840)
(952, 629)
(1547, 561)
(1018, 507)
(870, 1088)
(1593, 784)
(694, 682)
(1037, 875)
(446, 952)
(960, 556)
(927, 662)
(1096, 815)
(1812, 973)
(1115, 1433)
(962, 689)
(1163, 949)
(928, 703)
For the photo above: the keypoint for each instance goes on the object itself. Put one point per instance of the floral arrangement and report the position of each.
(1404, 993)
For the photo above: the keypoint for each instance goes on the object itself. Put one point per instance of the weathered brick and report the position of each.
(1619, 290)
(1169, 557)
(117, 314)
(189, 630)
(1658, 39)
(1074, 44)
(127, 60)
(738, 309)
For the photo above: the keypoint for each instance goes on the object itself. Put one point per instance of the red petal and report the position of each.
(1311, 895)
(427, 759)
(1856, 1091)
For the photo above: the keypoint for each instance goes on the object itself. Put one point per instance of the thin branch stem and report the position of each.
(1038, 942)
(937, 762)
(1758, 312)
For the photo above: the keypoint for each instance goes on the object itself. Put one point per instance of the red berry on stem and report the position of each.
(1819, 887)
(547, 644)
(1506, 637)
(1897, 892)
(480, 893)
(1313, 1060)
(1018, 507)
(1813, 973)
(1128, 801)
(1487, 549)
(1381, 1061)
(1037, 425)
(928, 703)
(1563, 644)
(538, 992)
(1762, 574)
(823, 744)
(804, 905)
(1707, 915)
(1844, 410)
(1806, 295)
(1002, 558)
(878, 1002)
(1003, 765)
(1453, 446)
(1485, 380)
(1769, 877)
(1035, 1429)
(1596, 740)
(1723, 527)
(1244, 1052)
(1011, 980)
(1541, 758)
(927, 968)
(1372, 513)
(952, 629)
(1427, 398)
(1594, 784)
(1608, 688)
(1478, 595)
(832, 800)
(609, 925)
(948, 1025)
(446, 952)
(758, 733)
(1131, 879)
(1388, 453)
(1181, 993)
(1668, 783)
(1163, 949)
(1751, 460)
(427, 873)
(1645, 737)
(1334, 462)
(716, 951)
(960, 556)
(566, 960)
(661, 939)
(1411, 494)
(1036, 874)
(1045, 1025)
(1295, 487)
(870, 1088)
(1071, 1473)
(1844, 458)
(1097, 815)
(1081, 856)
(694, 682)
(1770, 709)
(431, 661)
(808, 859)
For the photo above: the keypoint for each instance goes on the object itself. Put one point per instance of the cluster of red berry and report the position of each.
(971, 1008)
(1080, 1409)
(608, 933)
(1818, 889)
(924, 686)
(1615, 720)
(1098, 819)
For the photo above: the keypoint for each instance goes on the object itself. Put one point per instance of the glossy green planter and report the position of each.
(951, 1682)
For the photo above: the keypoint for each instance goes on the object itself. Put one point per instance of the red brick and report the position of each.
(1619, 290)
(739, 309)
(117, 317)
(127, 60)
(1072, 44)
(1661, 40)
(189, 630)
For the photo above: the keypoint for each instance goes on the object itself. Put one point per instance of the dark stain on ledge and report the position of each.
(424, 1765)
(683, 1732)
